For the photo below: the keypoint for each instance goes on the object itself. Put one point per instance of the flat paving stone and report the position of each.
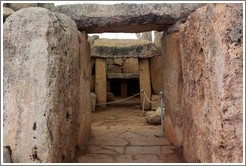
(95, 158)
(122, 135)
(106, 149)
(143, 150)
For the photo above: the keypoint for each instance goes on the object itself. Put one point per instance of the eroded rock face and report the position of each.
(96, 18)
(40, 82)
(84, 131)
(212, 61)
(172, 88)
(7, 12)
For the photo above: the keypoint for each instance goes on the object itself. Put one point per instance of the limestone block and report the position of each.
(114, 69)
(49, 6)
(154, 117)
(98, 18)
(156, 73)
(173, 133)
(18, 6)
(41, 69)
(154, 106)
(118, 61)
(100, 81)
(130, 65)
(144, 79)
(93, 102)
(110, 61)
(84, 132)
(7, 12)
(172, 84)
(211, 43)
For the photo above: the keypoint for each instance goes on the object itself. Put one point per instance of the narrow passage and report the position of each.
(122, 135)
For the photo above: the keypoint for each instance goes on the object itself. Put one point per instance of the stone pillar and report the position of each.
(144, 79)
(40, 86)
(84, 131)
(101, 81)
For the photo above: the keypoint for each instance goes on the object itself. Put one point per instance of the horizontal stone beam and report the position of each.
(131, 18)
(122, 76)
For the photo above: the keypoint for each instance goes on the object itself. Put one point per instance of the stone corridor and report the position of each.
(122, 135)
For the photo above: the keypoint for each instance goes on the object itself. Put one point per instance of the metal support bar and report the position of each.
(162, 114)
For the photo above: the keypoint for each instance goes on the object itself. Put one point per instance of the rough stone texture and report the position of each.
(18, 6)
(114, 69)
(212, 58)
(7, 12)
(116, 48)
(40, 100)
(118, 61)
(154, 117)
(7, 154)
(130, 65)
(93, 102)
(154, 98)
(101, 81)
(92, 39)
(144, 79)
(157, 38)
(172, 87)
(84, 132)
(96, 18)
(156, 73)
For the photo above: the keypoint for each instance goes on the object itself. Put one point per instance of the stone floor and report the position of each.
(122, 135)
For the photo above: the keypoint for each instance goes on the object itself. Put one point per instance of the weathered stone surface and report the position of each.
(118, 61)
(18, 6)
(155, 105)
(144, 81)
(41, 69)
(110, 97)
(156, 73)
(172, 86)
(154, 117)
(49, 6)
(93, 102)
(122, 75)
(114, 69)
(96, 18)
(101, 81)
(123, 48)
(7, 154)
(84, 132)
(130, 65)
(7, 12)
(212, 60)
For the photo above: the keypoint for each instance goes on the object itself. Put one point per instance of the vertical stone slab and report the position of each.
(144, 79)
(211, 43)
(84, 131)
(40, 84)
(172, 87)
(101, 81)
(156, 73)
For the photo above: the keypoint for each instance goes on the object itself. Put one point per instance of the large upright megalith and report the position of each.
(212, 62)
(40, 80)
